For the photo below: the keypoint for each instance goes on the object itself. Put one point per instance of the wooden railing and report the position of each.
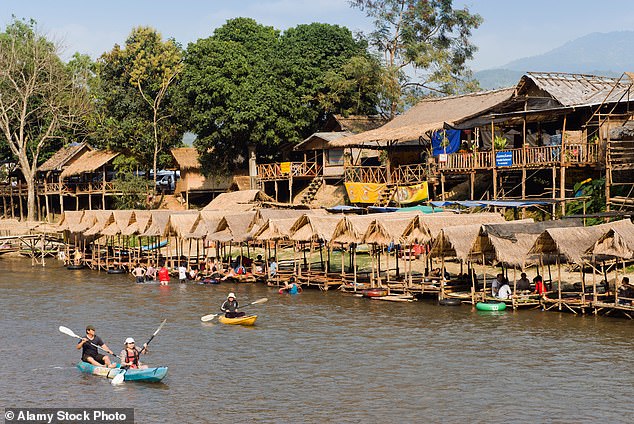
(277, 171)
(366, 174)
(410, 174)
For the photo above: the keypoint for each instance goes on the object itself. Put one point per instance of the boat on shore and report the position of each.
(148, 375)
(245, 320)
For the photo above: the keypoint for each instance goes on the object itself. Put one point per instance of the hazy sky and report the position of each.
(512, 29)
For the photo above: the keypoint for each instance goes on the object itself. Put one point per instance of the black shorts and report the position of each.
(139, 280)
(98, 357)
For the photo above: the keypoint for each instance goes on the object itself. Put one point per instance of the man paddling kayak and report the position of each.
(230, 307)
(130, 355)
(90, 353)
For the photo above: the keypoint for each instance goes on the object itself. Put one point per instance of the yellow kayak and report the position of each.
(245, 320)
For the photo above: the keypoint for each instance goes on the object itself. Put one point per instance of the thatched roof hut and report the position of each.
(275, 229)
(186, 157)
(206, 224)
(572, 244)
(158, 225)
(63, 156)
(89, 162)
(119, 221)
(427, 116)
(618, 242)
(314, 227)
(182, 224)
(241, 200)
(234, 227)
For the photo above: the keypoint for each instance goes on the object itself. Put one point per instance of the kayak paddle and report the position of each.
(70, 332)
(212, 316)
(118, 379)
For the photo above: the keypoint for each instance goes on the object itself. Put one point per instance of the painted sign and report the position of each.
(285, 167)
(504, 158)
(369, 193)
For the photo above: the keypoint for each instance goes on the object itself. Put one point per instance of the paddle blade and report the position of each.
(208, 317)
(159, 329)
(118, 379)
(264, 299)
(68, 332)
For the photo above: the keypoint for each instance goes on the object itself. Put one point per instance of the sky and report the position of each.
(512, 29)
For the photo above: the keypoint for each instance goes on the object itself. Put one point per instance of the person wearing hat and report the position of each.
(230, 307)
(90, 353)
(130, 355)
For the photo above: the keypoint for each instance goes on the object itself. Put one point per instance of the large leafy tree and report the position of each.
(428, 37)
(134, 96)
(248, 84)
(40, 101)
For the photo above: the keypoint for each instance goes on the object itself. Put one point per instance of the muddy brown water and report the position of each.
(317, 357)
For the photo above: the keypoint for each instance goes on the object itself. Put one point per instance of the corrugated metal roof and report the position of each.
(580, 89)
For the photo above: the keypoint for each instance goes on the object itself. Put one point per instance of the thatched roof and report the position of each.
(571, 244)
(320, 140)
(237, 200)
(88, 219)
(182, 224)
(70, 219)
(314, 227)
(265, 214)
(62, 156)
(119, 221)
(618, 242)
(157, 224)
(351, 229)
(353, 123)
(275, 229)
(427, 116)
(434, 223)
(385, 231)
(186, 157)
(138, 224)
(455, 241)
(103, 218)
(240, 226)
(89, 162)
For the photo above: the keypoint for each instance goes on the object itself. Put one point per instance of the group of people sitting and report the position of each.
(501, 288)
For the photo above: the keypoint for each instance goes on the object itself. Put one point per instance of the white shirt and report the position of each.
(504, 292)
(182, 273)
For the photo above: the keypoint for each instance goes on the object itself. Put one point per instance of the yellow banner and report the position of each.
(369, 193)
(285, 167)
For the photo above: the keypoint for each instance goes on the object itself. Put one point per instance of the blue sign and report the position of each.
(504, 158)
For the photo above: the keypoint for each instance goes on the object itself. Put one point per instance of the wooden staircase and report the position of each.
(312, 190)
(386, 195)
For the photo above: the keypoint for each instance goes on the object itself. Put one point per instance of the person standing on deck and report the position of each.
(230, 307)
(164, 275)
(90, 353)
(139, 273)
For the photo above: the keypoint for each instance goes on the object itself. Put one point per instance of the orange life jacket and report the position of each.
(132, 358)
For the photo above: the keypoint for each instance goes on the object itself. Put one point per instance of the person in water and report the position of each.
(230, 307)
(139, 273)
(164, 275)
(90, 353)
(130, 355)
(150, 274)
(291, 286)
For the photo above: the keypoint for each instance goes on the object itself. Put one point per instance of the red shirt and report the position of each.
(164, 274)
(540, 287)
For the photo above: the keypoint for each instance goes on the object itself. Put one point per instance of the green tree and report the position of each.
(428, 36)
(39, 99)
(135, 96)
(248, 84)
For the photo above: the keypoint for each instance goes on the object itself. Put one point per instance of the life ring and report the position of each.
(74, 267)
(116, 271)
(450, 302)
(490, 306)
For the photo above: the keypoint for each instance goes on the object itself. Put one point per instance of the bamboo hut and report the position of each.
(235, 201)
(569, 245)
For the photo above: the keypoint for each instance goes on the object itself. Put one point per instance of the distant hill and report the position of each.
(608, 54)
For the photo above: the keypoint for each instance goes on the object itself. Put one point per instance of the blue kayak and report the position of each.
(149, 375)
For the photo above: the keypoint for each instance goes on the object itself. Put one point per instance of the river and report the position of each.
(317, 357)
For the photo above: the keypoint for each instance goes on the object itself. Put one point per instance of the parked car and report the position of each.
(166, 183)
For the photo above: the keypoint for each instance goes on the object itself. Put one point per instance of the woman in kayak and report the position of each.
(89, 351)
(130, 355)
(230, 307)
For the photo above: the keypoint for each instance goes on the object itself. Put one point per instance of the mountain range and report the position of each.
(606, 54)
